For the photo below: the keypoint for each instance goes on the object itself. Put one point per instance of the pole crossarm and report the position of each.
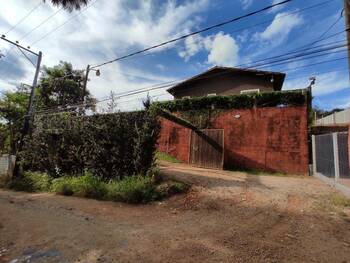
(19, 46)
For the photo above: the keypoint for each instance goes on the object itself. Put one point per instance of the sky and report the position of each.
(109, 29)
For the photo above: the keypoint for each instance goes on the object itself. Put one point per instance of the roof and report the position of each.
(278, 77)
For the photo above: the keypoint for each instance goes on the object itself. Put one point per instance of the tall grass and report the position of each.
(132, 189)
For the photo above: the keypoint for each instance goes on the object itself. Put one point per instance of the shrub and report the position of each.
(242, 101)
(31, 182)
(83, 186)
(111, 146)
(134, 189)
(171, 188)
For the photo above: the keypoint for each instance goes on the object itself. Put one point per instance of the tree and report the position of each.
(70, 5)
(62, 87)
(13, 107)
(112, 105)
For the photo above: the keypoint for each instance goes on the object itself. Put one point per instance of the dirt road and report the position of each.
(227, 217)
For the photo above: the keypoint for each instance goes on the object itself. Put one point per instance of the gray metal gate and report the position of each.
(331, 159)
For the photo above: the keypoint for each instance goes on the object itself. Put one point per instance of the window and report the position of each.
(211, 94)
(248, 91)
(186, 97)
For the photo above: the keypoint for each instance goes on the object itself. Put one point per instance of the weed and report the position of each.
(31, 182)
(166, 157)
(339, 200)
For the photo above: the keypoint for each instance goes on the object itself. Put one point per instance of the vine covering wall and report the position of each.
(110, 145)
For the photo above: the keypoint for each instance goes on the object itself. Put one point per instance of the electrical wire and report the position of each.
(195, 42)
(64, 23)
(25, 17)
(40, 24)
(192, 33)
(55, 109)
(328, 29)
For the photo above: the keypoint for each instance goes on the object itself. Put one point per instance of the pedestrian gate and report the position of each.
(207, 148)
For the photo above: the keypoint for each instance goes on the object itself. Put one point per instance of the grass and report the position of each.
(132, 189)
(166, 157)
(340, 201)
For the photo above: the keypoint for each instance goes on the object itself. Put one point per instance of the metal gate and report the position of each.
(331, 159)
(207, 148)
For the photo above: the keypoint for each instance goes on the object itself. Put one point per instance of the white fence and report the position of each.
(331, 160)
(6, 164)
(341, 117)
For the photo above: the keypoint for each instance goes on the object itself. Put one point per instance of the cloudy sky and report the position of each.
(111, 28)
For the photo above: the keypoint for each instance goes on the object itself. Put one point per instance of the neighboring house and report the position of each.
(228, 81)
(336, 118)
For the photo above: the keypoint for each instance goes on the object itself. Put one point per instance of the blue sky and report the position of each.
(109, 29)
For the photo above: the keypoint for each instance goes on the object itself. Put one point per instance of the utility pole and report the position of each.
(85, 82)
(28, 116)
(347, 27)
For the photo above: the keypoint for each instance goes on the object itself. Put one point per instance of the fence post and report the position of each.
(336, 156)
(314, 167)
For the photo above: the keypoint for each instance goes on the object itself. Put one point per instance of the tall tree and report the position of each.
(62, 87)
(13, 107)
(70, 5)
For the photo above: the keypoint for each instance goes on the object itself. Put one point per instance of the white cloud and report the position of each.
(326, 83)
(279, 29)
(193, 45)
(91, 37)
(276, 8)
(223, 50)
(246, 3)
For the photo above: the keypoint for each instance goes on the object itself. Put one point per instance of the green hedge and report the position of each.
(244, 101)
(110, 145)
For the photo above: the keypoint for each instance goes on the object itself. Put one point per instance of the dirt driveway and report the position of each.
(227, 217)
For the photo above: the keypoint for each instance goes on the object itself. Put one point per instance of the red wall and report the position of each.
(272, 139)
(349, 143)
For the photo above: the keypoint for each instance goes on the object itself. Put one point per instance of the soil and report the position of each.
(225, 217)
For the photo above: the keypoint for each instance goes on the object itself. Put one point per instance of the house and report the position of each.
(228, 81)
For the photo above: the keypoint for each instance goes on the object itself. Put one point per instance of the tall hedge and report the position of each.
(110, 145)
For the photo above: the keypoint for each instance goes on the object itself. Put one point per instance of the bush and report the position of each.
(111, 146)
(242, 101)
(83, 186)
(134, 189)
(31, 182)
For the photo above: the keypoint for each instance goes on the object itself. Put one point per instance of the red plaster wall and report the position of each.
(349, 143)
(272, 139)
(174, 140)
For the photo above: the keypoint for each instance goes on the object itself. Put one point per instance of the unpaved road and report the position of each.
(227, 217)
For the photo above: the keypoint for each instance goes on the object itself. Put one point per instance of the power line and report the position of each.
(127, 94)
(25, 17)
(193, 33)
(61, 25)
(286, 59)
(327, 30)
(39, 25)
(317, 73)
(195, 42)
(296, 51)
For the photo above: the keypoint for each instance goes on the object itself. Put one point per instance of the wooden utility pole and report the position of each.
(85, 82)
(347, 27)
